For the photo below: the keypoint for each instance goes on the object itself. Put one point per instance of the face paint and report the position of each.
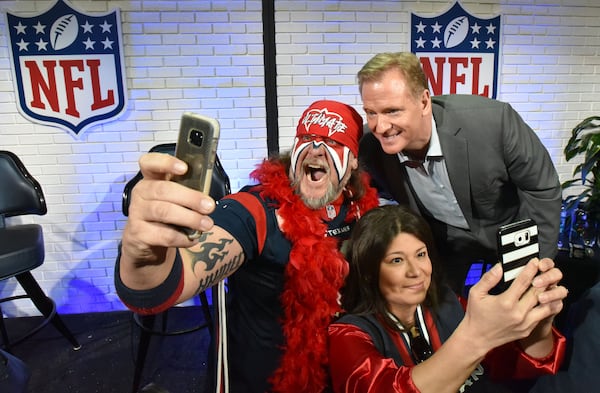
(334, 125)
(339, 153)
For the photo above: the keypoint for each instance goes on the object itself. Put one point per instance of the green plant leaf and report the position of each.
(585, 143)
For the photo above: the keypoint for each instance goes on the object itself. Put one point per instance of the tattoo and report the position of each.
(213, 253)
(210, 253)
(220, 273)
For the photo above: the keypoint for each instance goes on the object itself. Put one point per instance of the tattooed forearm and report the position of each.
(213, 253)
(222, 272)
(210, 253)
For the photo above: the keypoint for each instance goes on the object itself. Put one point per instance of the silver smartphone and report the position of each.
(517, 244)
(197, 146)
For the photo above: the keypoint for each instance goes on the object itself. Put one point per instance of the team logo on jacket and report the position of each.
(459, 52)
(67, 66)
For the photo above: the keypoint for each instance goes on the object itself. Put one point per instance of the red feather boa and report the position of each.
(313, 277)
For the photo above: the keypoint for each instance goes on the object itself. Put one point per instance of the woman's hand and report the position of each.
(523, 312)
(527, 306)
(550, 298)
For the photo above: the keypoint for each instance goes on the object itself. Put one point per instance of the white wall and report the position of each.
(207, 56)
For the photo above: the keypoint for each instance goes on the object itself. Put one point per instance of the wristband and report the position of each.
(154, 300)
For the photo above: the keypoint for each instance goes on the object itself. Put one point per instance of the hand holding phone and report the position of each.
(517, 244)
(197, 146)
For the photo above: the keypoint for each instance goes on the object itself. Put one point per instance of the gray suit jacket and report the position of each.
(499, 170)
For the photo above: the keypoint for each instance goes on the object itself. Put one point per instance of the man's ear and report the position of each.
(426, 101)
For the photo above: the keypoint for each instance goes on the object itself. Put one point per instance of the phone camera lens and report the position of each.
(196, 138)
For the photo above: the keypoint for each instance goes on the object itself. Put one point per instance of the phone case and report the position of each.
(517, 244)
(197, 146)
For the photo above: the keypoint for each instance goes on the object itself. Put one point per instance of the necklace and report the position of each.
(415, 337)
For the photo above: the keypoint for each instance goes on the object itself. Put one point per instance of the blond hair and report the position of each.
(405, 62)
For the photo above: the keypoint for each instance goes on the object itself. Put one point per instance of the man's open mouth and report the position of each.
(315, 172)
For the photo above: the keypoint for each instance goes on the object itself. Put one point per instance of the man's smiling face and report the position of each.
(399, 120)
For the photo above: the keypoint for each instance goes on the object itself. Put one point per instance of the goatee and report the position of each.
(317, 203)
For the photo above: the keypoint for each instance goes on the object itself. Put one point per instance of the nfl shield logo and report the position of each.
(459, 52)
(67, 66)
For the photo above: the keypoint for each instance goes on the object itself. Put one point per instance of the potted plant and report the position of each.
(584, 143)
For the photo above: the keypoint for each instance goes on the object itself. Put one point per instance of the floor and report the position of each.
(105, 362)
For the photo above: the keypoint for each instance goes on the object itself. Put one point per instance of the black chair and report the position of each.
(22, 245)
(220, 186)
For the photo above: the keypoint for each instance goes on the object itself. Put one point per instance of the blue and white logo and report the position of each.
(67, 66)
(459, 52)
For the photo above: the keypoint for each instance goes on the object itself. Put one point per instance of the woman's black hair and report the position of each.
(368, 244)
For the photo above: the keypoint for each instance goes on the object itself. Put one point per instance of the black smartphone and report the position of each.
(517, 244)
(197, 146)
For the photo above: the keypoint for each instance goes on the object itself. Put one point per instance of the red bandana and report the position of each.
(313, 277)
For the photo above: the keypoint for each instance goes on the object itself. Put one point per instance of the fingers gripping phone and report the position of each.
(517, 244)
(197, 146)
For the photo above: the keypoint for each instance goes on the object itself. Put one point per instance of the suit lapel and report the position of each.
(454, 148)
(399, 186)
